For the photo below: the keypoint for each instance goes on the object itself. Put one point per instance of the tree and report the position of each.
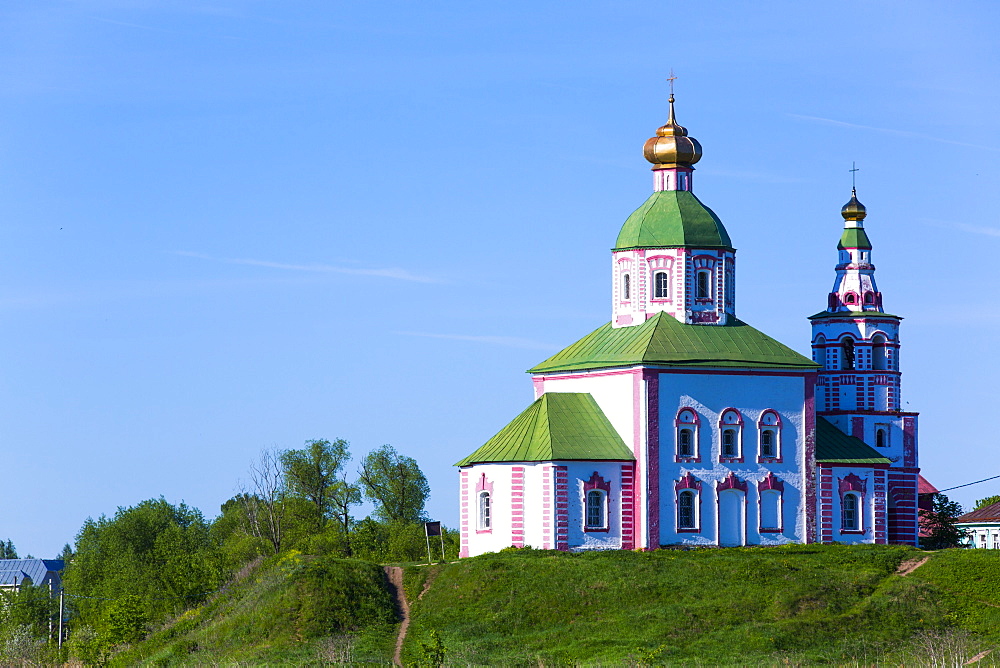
(263, 499)
(312, 473)
(395, 484)
(988, 501)
(939, 524)
(344, 495)
(7, 550)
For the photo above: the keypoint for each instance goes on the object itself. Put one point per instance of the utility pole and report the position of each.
(61, 608)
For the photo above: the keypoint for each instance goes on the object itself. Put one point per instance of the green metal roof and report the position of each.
(853, 314)
(662, 340)
(854, 237)
(833, 445)
(672, 218)
(557, 426)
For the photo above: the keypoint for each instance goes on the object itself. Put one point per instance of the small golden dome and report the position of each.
(854, 210)
(671, 145)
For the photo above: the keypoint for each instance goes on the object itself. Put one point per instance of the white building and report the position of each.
(677, 423)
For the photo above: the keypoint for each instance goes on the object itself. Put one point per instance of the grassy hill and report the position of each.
(748, 606)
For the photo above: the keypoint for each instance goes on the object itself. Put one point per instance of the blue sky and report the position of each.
(227, 226)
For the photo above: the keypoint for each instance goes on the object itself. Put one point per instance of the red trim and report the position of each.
(628, 507)
(809, 498)
(516, 506)
(652, 379)
(463, 548)
(562, 507)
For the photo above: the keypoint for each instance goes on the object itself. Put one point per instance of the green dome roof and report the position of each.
(672, 218)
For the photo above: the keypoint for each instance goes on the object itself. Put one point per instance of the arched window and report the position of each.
(704, 281)
(685, 510)
(847, 353)
(878, 352)
(767, 443)
(730, 434)
(685, 442)
(869, 297)
(626, 287)
(849, 515)
(770, 510)
(596, 509)
(661, 285)
(880, 438)
(849, 298)
(485, 517)
(729, 443)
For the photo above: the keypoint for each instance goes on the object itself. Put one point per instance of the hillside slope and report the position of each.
(797, 604)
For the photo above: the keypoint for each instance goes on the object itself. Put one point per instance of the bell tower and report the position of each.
(858, 387)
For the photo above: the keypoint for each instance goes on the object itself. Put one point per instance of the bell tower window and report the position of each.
(878, 353)
(847, 353)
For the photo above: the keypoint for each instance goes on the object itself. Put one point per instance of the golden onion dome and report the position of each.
(854, 210)
(671, 146)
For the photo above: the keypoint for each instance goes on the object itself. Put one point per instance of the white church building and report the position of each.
(678, 424)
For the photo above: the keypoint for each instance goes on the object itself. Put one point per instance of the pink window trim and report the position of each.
(688, 481)
(739, 435)
(483, 485)
(858, 485)
(731, 482)
(597, 482)
(694, 425)
(761, 425)
(771, 482)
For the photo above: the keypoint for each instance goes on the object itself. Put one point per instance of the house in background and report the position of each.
(39, 572)
(983, 527)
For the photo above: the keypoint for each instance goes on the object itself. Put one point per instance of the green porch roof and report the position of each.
(662, 340)
(557, 426)
(854, 237)
(672, 218)
(833, 445)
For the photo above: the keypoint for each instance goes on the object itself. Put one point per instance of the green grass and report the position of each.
(292, 610)
(797, 605)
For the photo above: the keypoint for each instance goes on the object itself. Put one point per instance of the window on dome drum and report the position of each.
(685, 443)
(485, 517)
(849, 516)
(729, 443)
(847, 356)
(626, 287)
(685, 510)
(703, 290)
(767, 443)
(869, 298)
(661, 285)
(596, 509)
(849, 298)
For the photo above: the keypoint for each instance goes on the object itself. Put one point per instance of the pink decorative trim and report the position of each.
(694, 423)
(695, 419)
(562, 507)
(731, 482)
(628, 507)
(517, 506)
(761, 421)
(640, 463)
(909, 441)
(879, 494)
(687, 482)
(652, 379)
(596, 482)
(771, 483)
(483, 486)
(852, 483)
(463, 548)
(538, 384)
(547, 514)
(809, 499)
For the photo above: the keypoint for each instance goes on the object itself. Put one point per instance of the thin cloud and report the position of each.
(388, 272)
(901, 133)
(506, 341)
(965, 227)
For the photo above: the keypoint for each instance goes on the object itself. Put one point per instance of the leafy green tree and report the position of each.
(311, 473)
(343, 497)
(161, 553)
(988, 501)
(125, 621)
(939, 524)
(395, 484)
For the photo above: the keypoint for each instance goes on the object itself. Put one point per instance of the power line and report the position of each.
(969, 483)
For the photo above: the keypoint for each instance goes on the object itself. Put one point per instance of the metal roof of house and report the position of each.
(557, 426)
(663, 340)
(990, 513)
(15, 571)
(925, 487)
(672, 218)
(833, 445)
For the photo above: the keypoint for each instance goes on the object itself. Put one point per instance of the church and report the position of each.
(677, 424)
